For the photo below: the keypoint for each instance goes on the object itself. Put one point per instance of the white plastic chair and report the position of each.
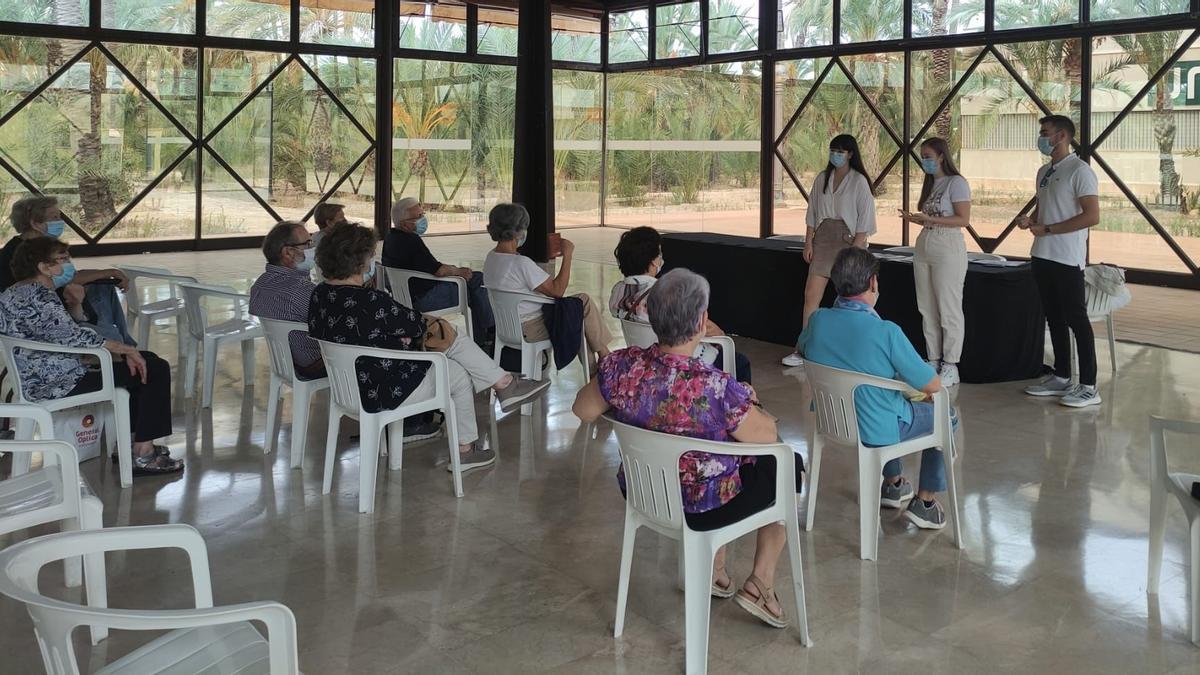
(283, 372)
(52, 493)
(506, 307)
(639, 334)
(398, 279)
(1164, 483)
(837, 423)
(238, 329)
(142, 315)
(654, 499)
(345, 401)
(1100, 307)
(111, 400)
(205, 639)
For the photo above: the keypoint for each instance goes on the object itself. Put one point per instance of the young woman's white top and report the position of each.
(851, 202)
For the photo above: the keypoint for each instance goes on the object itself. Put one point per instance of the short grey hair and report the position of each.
(507, 221)
(675, 304)
(852, 271)
(401, 208)
(279, 237)
(28, 209)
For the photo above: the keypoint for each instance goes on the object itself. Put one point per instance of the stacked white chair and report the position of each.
(55, 492)
(639, 334)
(654, 499)
(837, 423)
(283, 372)
(506, 308)
(242, 329)
(399, 280)
(1166, 483)
(113, 402)
(345, 401)
(142, 315)
(205, 639)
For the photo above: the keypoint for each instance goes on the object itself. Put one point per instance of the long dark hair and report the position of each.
(849, 144)
(941, 147)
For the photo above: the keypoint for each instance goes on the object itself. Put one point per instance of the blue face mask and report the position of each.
(369, 274)
(1045, 146)
(837, 158)
(55, 228)
(929, 166)
(420, 226)
(63, 278)
(521, 240)
(310, 255)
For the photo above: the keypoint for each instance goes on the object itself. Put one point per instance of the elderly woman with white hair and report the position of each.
(505, 269)
(666, 388)
(404, 249)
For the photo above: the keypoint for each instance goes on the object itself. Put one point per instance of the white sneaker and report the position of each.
(1051, 385)
(792, 360)
(949, 375)
(1081, 396)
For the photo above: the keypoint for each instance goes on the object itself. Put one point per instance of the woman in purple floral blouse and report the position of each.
(664, 388)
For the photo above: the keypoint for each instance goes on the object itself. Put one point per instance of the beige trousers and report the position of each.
(593, 326)
(471, 371)
(940, 269)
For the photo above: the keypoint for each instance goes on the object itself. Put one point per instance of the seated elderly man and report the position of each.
(851, 336)
(283, 291)
(404, 249)
(505, 269)
(94, 291)
(665, 388)
(639, 255)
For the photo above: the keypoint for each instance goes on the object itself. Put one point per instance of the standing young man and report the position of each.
(1067, 205)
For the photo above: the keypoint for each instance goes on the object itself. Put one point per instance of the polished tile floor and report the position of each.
(520, 575)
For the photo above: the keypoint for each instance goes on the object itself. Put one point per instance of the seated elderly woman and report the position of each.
(342, 310)
(30, 310)
(665, 388)
(639, 255)
(505, 269)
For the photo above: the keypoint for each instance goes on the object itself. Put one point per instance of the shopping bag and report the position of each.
(80, 427)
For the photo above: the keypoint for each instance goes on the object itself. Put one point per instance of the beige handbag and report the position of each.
(439, 334)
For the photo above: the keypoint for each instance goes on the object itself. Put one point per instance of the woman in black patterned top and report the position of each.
(345, 312)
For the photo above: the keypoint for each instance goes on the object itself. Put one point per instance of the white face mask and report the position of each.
(306, 265)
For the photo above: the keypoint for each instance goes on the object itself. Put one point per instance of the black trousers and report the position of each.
(758, 493)
(149, 404)
(1063, 301)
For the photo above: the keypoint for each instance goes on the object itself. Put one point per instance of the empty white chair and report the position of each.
(654, 499)
(53, 493)
(837, 423)
(345, 401)
(206, 639)
(283, 372)
(399, 278)
(142, 315)
(1164, 483)
(111, 400)
(506, 307)
(242, 329)
(639, 334)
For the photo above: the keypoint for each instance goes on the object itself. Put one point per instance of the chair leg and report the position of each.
(1194, 576)
(273, 395)
(301, 398)
(952, 486)
(72, 566)
(143, 332)
(793, 548)
(627, 546)
(92, 518)
(191, 351)
(181, 343)
(335, 419)
(124, 434)
(395, 432)
(247, 363)
(22, 431)
(1158, 522)
(1112, 344)
(452, 441)
(814, 479)
(368, 462)
(210, 372)
(697, 603)
(868, 506)
(531, 367)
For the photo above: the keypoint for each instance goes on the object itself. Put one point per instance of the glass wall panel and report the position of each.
(578, 127)
(629, 36)
(793, 81)
(871, 20)
(732, 26)
(575, 38)
(806, 23)
(452, 145)
(1105, 10)
(57, 12)
(440, 26)
(1030, 13)
(249, 19)
(677, 30)
(683, 148)
(497, 32)
(350, 22)
(943, 17)
(160, 16)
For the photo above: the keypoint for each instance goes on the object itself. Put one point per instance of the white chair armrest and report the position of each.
(437, 358)
(64, 454)
(1166, 424)
(532, 297)
(728, 351)
(105, 357)
(40, 416)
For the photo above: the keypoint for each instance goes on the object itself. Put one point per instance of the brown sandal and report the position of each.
(719, 591)
(758, 605)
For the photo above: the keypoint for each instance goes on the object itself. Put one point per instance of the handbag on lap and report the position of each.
(439, 334)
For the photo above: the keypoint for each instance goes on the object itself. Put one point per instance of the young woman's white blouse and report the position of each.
(851, 202)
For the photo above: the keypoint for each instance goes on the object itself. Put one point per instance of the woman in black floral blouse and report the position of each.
(344, 311)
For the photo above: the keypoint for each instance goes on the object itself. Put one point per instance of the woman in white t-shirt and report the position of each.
(940, 261)
(841, 214)
(505, 269)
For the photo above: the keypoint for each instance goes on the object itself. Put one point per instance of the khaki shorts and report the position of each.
(831, 237)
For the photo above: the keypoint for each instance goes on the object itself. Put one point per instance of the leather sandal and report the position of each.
(758, 605)
(159, 451)
(719, 591)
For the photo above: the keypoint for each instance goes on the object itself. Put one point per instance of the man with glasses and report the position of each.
(283, 290)
(1067, 205)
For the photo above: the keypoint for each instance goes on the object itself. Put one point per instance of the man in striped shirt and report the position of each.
(283, 291)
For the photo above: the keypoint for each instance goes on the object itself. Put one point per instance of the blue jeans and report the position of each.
(110, 317)
(445, 294)
(933, 464)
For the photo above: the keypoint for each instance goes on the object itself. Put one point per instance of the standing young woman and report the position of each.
(940, 261)
(841, 214)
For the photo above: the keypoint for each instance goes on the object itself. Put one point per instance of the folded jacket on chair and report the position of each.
(564, 322)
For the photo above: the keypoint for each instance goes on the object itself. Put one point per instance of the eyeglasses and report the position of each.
(1046, 179)
(60, 259)
(302, 244)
